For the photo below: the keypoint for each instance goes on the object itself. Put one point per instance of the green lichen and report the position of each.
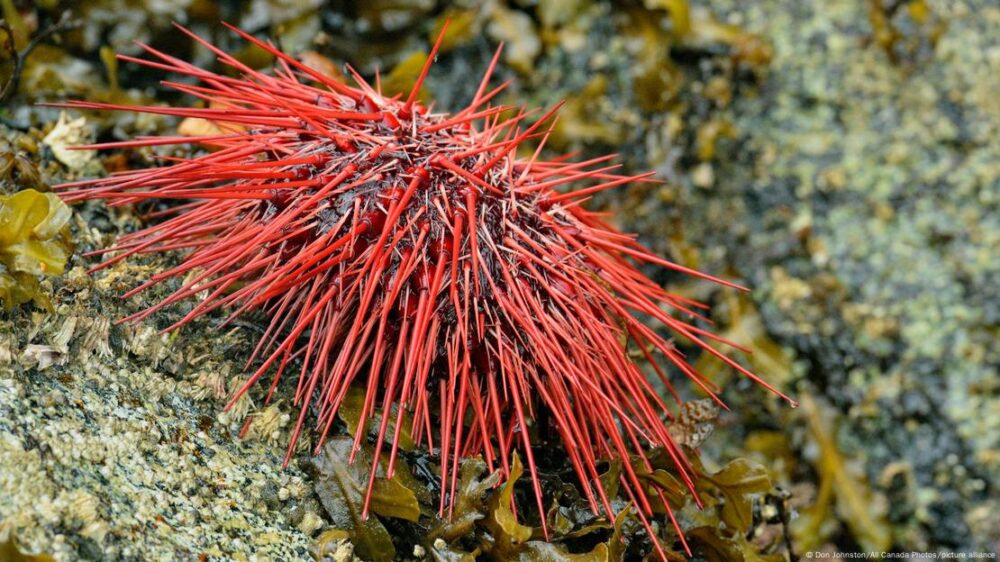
(34, 241)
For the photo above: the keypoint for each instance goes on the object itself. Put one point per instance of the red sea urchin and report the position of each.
(415, 253)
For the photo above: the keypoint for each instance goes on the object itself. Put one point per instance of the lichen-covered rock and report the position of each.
(113, 445)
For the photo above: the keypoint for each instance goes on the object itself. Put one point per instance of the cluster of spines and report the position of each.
(414, 253)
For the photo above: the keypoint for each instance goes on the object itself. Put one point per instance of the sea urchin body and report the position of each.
(416, 254)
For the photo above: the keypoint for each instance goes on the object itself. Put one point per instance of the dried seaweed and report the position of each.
(18, 50)
(495, 519)
(853, 497)
(341, 486)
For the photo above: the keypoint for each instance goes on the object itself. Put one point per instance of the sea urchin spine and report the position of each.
(416, 253)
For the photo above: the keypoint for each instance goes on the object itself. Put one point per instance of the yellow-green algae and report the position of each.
(34, 241)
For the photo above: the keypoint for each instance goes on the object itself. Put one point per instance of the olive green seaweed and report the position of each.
(34, 241)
